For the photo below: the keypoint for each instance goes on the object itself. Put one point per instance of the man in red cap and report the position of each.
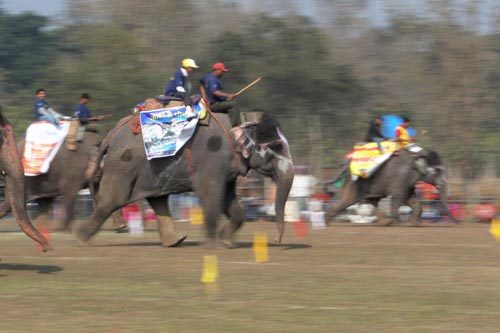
(219, 100)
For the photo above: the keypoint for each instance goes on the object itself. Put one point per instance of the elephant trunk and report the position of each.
(15, 186)
(283, 185)
(444, 201)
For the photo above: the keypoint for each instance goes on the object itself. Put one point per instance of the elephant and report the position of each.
(396, 178)
(209, 164)
(13, 174)
(65, 177)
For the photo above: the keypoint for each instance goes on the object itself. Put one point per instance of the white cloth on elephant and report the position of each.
(42, 143)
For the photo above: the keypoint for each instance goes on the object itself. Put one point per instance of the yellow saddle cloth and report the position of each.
(367, 158)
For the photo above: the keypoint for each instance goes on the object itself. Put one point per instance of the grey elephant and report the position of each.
(396, 178)
(209, 164)
(65, 177)
(13, 174)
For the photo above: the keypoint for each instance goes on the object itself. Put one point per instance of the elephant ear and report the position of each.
(3, 123)
(266, 129)
(3, 120)
(433, 159)
(421, 165)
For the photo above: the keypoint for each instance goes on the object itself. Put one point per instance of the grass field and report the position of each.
(346, 278)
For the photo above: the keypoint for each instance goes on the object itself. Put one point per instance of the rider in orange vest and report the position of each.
(402, 135)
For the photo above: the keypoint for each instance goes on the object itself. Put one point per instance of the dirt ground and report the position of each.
(345, 278)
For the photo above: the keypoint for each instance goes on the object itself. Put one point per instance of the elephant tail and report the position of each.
(94, 167)
(342, 173)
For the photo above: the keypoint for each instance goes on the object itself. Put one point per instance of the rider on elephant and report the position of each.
(42, 110)
(374, 133)
(82, 116)
(83, 113)
(178, 86)
(219, 100)
(402, 135)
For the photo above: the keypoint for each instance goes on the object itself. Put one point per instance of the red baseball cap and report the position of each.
(220, 66)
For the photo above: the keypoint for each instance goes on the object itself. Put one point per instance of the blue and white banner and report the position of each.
(165, 131)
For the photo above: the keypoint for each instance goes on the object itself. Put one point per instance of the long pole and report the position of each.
(248, 86)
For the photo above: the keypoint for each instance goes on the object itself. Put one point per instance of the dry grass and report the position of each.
(346, 278)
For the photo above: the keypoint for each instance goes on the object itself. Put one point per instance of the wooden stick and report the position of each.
(248, 86)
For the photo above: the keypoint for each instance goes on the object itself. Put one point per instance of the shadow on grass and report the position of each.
(285, 246)
(40, 269)
(240, 245)
(396, 225)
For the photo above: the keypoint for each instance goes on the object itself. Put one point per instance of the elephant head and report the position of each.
(432, 171)
(270, 156)
(13, 172)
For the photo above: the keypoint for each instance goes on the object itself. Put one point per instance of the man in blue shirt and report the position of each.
(42, 110)
(219, 100)
(81, 116)
(82, 112)
(178, 86)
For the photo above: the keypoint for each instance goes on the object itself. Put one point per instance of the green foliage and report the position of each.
(300, 77)
(104, 61)
(321, 80)
(26, 48)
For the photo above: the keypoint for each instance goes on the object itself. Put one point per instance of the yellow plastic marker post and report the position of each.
(260, 247)
(196, 215)
(210, 270)
(210, 274)
(495, 229)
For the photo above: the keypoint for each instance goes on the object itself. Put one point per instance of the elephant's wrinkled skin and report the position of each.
(13, 173)
(396, 178)
(209, 166)
(66, 176)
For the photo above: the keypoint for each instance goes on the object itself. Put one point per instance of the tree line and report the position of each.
(324, 77)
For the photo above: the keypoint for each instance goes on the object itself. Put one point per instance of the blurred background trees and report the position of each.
(327, 66)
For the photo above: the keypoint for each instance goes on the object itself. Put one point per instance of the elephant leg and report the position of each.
(166, 226)
(5, 207)
(414, 203)
(104, 208)
(381, 218)
(211, 192)
(349, 197)
(68, 202)
(396, 202)
(115, 191)
(119, 222)
(44, 205)
(234, 211)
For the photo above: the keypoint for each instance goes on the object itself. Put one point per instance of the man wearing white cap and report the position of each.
(178, 86)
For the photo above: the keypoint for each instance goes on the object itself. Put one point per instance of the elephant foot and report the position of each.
(278, 239)
(385, 222)
(82, 243)
(214, 244)
(82, 236)
(175, 243)
(66, 229)
(122, 229)
(229, 244)
(415, 223)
